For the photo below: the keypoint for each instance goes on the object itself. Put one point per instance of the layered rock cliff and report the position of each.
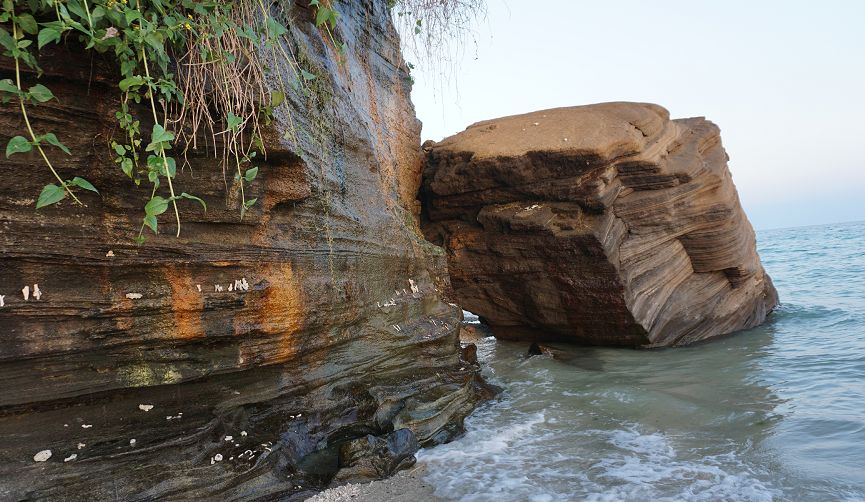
(604, 224)
(237, 361)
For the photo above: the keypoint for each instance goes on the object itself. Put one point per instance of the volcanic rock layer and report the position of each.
(236, 361)
(606, 224)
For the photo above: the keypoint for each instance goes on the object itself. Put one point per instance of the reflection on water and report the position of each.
(777, 412)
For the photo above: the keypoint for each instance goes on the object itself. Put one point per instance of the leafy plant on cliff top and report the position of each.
(195, 64)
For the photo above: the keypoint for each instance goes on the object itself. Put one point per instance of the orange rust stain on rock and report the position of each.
(187, 304)
(279, 312)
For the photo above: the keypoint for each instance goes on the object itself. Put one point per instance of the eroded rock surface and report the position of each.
(147, 372)
(604, 224)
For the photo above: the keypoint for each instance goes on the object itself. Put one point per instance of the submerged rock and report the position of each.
(606, 224)
(279, 330)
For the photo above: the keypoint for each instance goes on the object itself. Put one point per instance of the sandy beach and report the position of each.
(405, 486)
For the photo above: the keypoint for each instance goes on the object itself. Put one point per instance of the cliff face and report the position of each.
(604, 224)
(148, 373)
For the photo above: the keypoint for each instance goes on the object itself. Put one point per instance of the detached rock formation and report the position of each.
(149, 374)
(606, 224)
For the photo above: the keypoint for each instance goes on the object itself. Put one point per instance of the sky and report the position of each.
(785, 81)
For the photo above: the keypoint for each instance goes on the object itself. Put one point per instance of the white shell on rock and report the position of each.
(42, 456)
(145, 407)
(71, 457)
(134, 296)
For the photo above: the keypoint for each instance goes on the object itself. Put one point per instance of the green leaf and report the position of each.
(154, 164)
(251, 202)
(172, 167)
(150, 221)
(75, 8)
(307, 75)
(27, 23)
(276, 98)
(250, 174)
(153, 176)
(120, 149)
(131, 15)
(156, 206)
(6, 85)
(233, 121)
(47, 36)
(18, 144)
(322, 15)
(126, 166)
(185, 195)
(81, 182)
(159, 134)
(52, 139)
(6, 40)
(274, 28)
(97, 14)
(50, 194)
(40, 93)
(130, 82)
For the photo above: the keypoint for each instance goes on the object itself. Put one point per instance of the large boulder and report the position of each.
(146, 371)
(606, 224)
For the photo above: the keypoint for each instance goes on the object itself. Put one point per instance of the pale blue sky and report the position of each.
(783, 79)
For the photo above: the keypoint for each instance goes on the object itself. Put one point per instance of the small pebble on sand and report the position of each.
(42, 456)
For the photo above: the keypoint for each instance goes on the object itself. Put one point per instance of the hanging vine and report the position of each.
(195, 65)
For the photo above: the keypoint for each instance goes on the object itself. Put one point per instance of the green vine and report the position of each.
(170, 53)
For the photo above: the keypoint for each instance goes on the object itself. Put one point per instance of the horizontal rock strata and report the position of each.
(234, 362)
(606, 224)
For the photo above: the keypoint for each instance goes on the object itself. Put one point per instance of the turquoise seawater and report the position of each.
(773, 413)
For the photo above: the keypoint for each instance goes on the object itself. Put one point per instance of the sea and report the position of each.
(772, 413)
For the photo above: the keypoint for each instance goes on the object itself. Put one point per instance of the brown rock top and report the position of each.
(602, 224)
